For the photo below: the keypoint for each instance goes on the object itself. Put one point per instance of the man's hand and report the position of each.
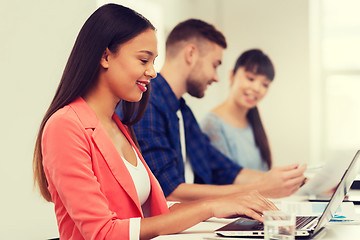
(282, 181)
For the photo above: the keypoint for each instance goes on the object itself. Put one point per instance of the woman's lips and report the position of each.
(142, 85)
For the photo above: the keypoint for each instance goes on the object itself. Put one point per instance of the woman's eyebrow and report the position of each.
(147, 52)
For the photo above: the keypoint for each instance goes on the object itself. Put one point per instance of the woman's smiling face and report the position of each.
(247, 88)
(129, 70)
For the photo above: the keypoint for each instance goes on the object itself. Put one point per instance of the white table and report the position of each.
(205, 230)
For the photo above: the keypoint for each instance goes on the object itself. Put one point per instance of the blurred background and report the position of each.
(311, 114)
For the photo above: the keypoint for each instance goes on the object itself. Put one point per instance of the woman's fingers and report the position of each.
(255, 203)
(266, 203)
(252, 204)
(253, 215)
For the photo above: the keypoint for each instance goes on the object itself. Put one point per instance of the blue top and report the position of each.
(236, 143)
(159, 138)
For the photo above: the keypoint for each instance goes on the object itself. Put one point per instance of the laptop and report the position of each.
(306, 227)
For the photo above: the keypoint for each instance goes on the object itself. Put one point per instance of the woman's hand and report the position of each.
(187, 214)
(250, 204)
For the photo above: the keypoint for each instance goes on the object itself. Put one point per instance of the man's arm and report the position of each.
(189, 192)
(276, 183)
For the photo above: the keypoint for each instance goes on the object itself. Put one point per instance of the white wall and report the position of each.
(36, 39)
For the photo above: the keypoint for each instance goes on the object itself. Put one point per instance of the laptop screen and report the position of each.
(340, 192)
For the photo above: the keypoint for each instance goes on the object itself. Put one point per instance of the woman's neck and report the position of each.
(102, 104)
(232, 113)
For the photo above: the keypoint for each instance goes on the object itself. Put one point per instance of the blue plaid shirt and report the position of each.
(159, 139)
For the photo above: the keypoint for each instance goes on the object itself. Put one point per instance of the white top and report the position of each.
(140, 178)
(141, 181)
(188, 171)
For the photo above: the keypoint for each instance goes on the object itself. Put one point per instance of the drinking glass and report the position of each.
(279, 225)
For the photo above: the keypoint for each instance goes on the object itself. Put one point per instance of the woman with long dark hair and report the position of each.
(86, 159)
(235, 126)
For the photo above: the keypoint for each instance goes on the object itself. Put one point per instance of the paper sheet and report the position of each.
(326, 178)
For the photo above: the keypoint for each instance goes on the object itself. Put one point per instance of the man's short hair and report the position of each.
(195, 29)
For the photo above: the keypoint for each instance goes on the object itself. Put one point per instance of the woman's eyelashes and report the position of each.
(145, 61)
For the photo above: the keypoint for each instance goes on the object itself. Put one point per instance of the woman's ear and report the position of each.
(104, 62)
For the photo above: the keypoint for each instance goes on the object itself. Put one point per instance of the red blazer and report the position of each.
(92, 190)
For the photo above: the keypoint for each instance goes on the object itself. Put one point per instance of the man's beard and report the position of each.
(195, 88)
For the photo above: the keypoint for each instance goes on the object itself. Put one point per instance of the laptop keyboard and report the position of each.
(300, 222)
(303, 221)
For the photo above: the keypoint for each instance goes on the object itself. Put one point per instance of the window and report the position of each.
(339, 74)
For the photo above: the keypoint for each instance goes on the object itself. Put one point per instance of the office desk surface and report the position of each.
(205, 230)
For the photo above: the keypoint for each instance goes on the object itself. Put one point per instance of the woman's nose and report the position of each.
(256, 86)
(151, 72)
